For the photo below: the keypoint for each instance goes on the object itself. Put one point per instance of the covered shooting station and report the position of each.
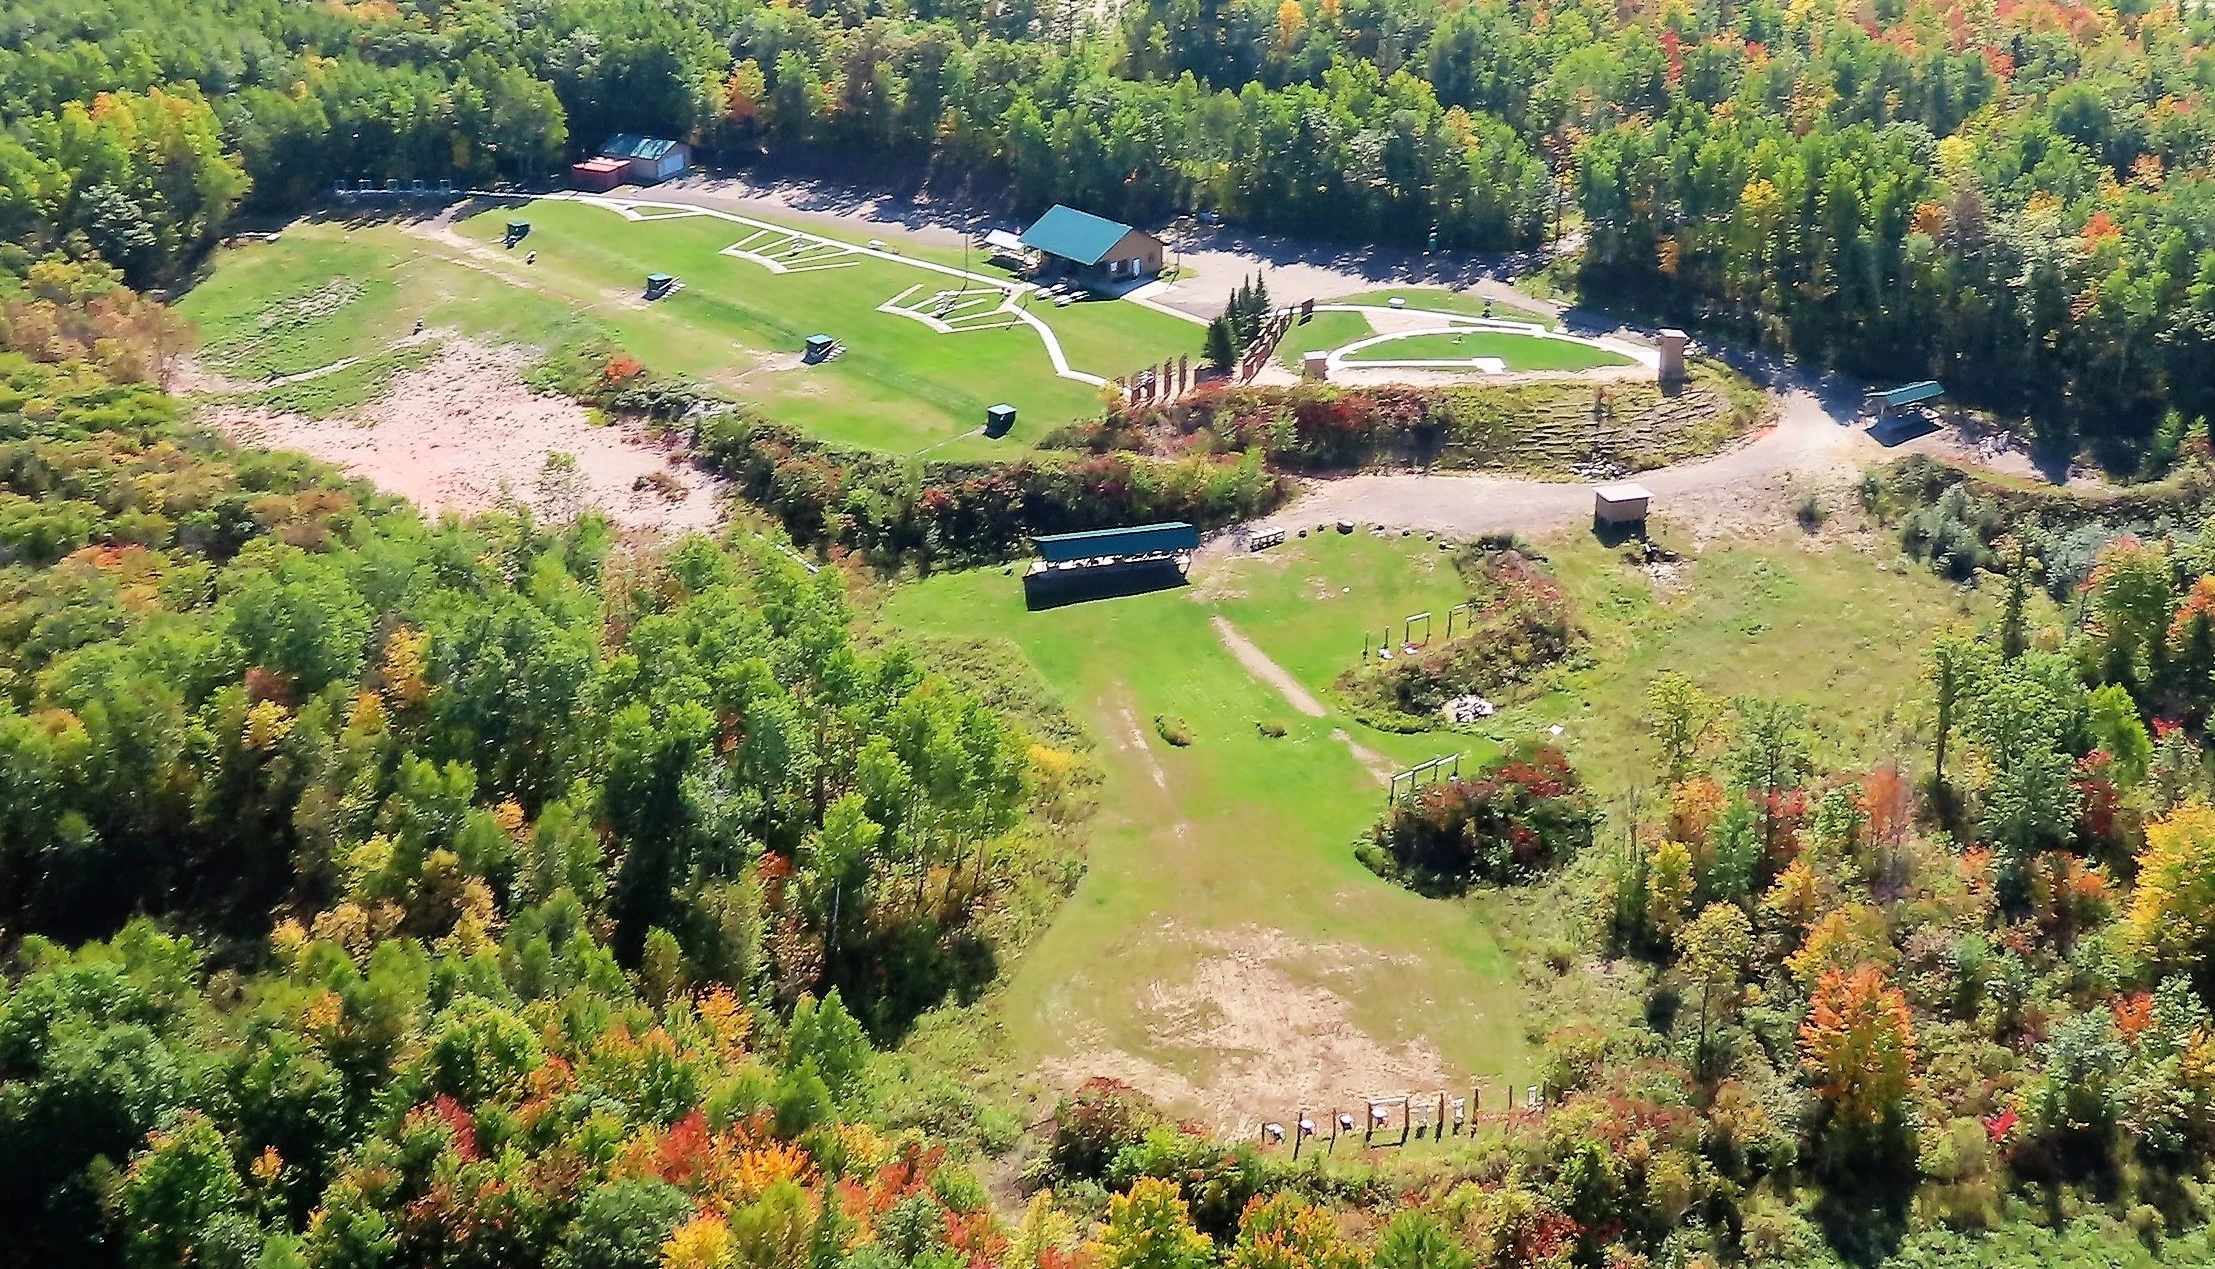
(1101, 563)
(1092, 250)
(998, 420)
(1883, 402)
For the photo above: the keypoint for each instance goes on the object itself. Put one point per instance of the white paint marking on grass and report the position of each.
(1012, 291)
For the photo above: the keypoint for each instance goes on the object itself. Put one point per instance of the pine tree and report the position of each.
(1221, 350)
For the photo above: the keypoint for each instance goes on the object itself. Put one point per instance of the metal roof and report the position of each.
(1139, 539)
(1625, 492)
(625, 146)
(1074, 235)
(1909, 394)
(1002, 240)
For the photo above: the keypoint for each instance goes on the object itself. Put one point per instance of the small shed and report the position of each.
(646, 160)
(999, 420)
(597, 175)
(1094, 248)
(818, 348)
(517, 230)
(1621, 503)
(658, 284)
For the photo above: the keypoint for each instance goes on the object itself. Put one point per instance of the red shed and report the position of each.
(598, 175)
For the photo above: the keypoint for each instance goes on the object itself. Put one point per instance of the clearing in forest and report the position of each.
(1225, 950)
(927, 340)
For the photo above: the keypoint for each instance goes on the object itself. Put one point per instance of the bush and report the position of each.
(1519, 817)
(1173, 729)
(1521, 627)
(1095, 1124)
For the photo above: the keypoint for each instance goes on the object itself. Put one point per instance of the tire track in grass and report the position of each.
(1296, 695)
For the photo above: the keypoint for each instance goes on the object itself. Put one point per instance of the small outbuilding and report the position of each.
(597, 175)
(1074, 567)
(1093, 249)
(658, 285)
(647, 160)
(1624, 503)
(818, 349)
(518, 230)
(999, 420)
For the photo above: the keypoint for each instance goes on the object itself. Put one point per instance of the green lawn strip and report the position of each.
(1520, 352)
(1321, 333)
(1244, 831)
(1440, 300)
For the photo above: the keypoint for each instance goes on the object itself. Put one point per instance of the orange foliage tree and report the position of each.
(1859, 1044)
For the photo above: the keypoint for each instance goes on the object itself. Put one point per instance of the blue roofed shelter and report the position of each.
(647, 159)
(1889, 399)
(1092, 248)
(1101, 563)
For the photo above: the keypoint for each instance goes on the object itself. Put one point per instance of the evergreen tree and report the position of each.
(1221, 350)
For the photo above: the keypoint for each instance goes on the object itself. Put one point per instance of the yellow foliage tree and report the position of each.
(1847, 936)
(1149, 1228)
(1291, 20)
(2172, 915)
(704, 1242)
(1668, 887)
(406, 659)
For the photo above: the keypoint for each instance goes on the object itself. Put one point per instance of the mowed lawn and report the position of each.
(1242, 832)
(1441, 300)
(326, 292)
(1321, 333)
(899, 385)
(1520, 352)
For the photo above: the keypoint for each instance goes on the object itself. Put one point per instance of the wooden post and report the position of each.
(1407, 1118)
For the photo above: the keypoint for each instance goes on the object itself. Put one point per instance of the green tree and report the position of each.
(1712, 951)
(175, 1191)
(1680, 716)
(1221, 349)
(1149, 1228)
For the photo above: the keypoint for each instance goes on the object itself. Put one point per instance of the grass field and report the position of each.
(1321, 333)
(1243, 841)
(326, 292)
(1520, 352)
(1240, 845)
(1441, 300)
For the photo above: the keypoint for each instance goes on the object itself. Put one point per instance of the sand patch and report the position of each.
(1265, 1036)
(463, 432)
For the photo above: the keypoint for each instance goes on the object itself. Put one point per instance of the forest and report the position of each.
(2009, 198)
(384, 892)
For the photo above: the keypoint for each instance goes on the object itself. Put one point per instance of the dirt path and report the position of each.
(1259, 665)
(1818, 434)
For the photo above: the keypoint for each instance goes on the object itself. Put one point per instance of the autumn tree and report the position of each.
(2172, 913)
(1858, 1044)
(1149, 1228)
